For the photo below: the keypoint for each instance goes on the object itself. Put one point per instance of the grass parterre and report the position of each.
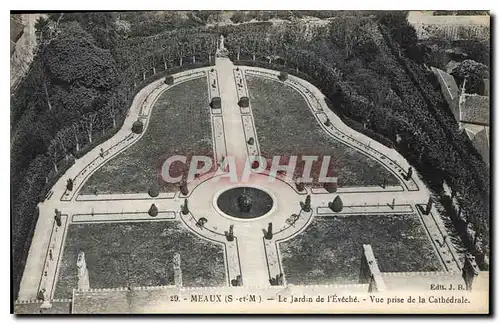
(286, 126)
(179, 124)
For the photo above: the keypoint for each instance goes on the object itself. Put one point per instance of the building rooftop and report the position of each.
(480, 138)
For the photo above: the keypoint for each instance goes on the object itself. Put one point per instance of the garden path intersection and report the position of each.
(251, 255)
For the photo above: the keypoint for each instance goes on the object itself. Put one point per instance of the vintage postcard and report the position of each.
(318, 162)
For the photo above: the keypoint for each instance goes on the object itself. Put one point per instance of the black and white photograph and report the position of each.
(250, 161)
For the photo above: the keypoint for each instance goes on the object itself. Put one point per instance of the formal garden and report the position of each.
(286, 126)
(330, 249)
(139, 254)
(179, 124)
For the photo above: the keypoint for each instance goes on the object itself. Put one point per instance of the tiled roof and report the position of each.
(482, 145)
(475, 109)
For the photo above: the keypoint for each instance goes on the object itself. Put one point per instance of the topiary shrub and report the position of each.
(237, 282)
(185, 208)
(409, 174)
(69, 184)
(137, 127)
(215, 103)
(306, 206)
(184, 188)
(428, 207)
(255, 164)
(153, 211)
(300, 186)
(283, 76)
(244, 102)
(57, 218)
(201, 222)
(169, 79)
(336, 205)
(268, 235)
(229, 234)
(154, 192)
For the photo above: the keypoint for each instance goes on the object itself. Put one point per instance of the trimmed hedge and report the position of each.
(336, 205)
(153, 211)
(283, 76)
(169, 79)
(154, 192)
(216, 103)
(244, 102)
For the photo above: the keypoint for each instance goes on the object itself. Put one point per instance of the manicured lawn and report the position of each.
(330, 249)
(286, 126)
(179, 125)
(139, 254)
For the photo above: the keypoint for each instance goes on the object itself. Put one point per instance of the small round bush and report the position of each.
(216, 102)
(154, 192)
(169, 79)
(283, 76)
(330, 186)
(244, 102)
(138, 127)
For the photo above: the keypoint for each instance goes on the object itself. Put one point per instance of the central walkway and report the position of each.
(251, 248)
(233, 125)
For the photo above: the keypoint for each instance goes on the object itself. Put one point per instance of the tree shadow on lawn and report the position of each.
(138, 254)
